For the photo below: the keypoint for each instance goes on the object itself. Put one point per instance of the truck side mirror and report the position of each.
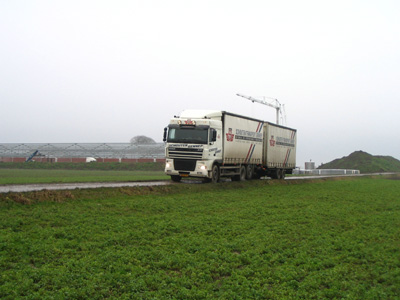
(165, 134)
(214, 135)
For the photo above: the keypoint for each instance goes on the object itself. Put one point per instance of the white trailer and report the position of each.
(215, 144)
(279, 150)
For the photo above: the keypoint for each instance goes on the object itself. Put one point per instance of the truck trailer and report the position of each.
(215, 144)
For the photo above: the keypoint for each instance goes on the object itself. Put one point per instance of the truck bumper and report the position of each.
(202, 169)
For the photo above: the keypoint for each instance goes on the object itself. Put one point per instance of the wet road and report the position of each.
(20, 188)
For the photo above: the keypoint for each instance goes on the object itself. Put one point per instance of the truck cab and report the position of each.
(194, 145)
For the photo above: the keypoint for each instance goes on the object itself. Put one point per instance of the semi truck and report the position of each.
(214, 144)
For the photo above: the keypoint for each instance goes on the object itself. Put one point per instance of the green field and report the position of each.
(25, 173)
(25, 176)
(107, 166)
(327, 239)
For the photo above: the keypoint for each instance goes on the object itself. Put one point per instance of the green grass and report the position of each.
(107, 166)
(253, 240)
(25, 176)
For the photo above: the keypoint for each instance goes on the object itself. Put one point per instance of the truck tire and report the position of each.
(249, 172)
(215, 175)
(242, 174)
(280, 174)
(176, 178)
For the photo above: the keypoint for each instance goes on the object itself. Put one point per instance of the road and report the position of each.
(20, 188)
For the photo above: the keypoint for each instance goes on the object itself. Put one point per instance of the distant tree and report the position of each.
(142, 140)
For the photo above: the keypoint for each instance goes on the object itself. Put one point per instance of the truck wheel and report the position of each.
(176, 178)
(283, 174)
(243, 173)
(280, 174)
(241, 176)
(215, 176)
(249, 172)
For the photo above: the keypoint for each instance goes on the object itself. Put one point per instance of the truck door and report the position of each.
(216, 143)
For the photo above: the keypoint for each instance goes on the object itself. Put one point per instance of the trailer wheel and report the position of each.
(215, 175)
(176, 178)
(277, 174)
(249, 172)
(280, 174)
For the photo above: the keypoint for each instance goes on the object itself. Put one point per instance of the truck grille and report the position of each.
(192, 153)
(184, 164)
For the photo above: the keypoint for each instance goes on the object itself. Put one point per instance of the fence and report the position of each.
(326, 172)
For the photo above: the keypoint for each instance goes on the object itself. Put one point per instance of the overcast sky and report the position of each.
(105, 71)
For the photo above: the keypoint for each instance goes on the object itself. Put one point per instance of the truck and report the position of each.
(215, 144)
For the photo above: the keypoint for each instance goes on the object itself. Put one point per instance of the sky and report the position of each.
(106, 71)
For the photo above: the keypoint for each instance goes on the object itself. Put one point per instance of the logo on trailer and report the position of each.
(229, 135)
(272, 141)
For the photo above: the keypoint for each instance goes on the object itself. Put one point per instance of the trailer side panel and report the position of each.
(279, 147)
(243, 140)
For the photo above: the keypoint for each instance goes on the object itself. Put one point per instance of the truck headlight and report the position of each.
(168, 165)
(203, 167)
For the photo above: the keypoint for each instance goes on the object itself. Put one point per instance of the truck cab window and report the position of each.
(188, 135)
(213, 135)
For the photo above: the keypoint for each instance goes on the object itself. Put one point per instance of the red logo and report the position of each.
(229, 136)
(189, 122)
(272, 141)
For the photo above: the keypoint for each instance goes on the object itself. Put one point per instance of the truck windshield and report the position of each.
(188, 135)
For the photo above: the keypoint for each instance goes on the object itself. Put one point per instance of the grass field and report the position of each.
(25, 176)
(328, 239)
(25, 173)
(107, 166)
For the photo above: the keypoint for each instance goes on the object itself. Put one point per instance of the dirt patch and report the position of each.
(40, 196)
(393, 177)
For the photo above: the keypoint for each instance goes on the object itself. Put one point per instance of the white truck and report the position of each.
(215, 144)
